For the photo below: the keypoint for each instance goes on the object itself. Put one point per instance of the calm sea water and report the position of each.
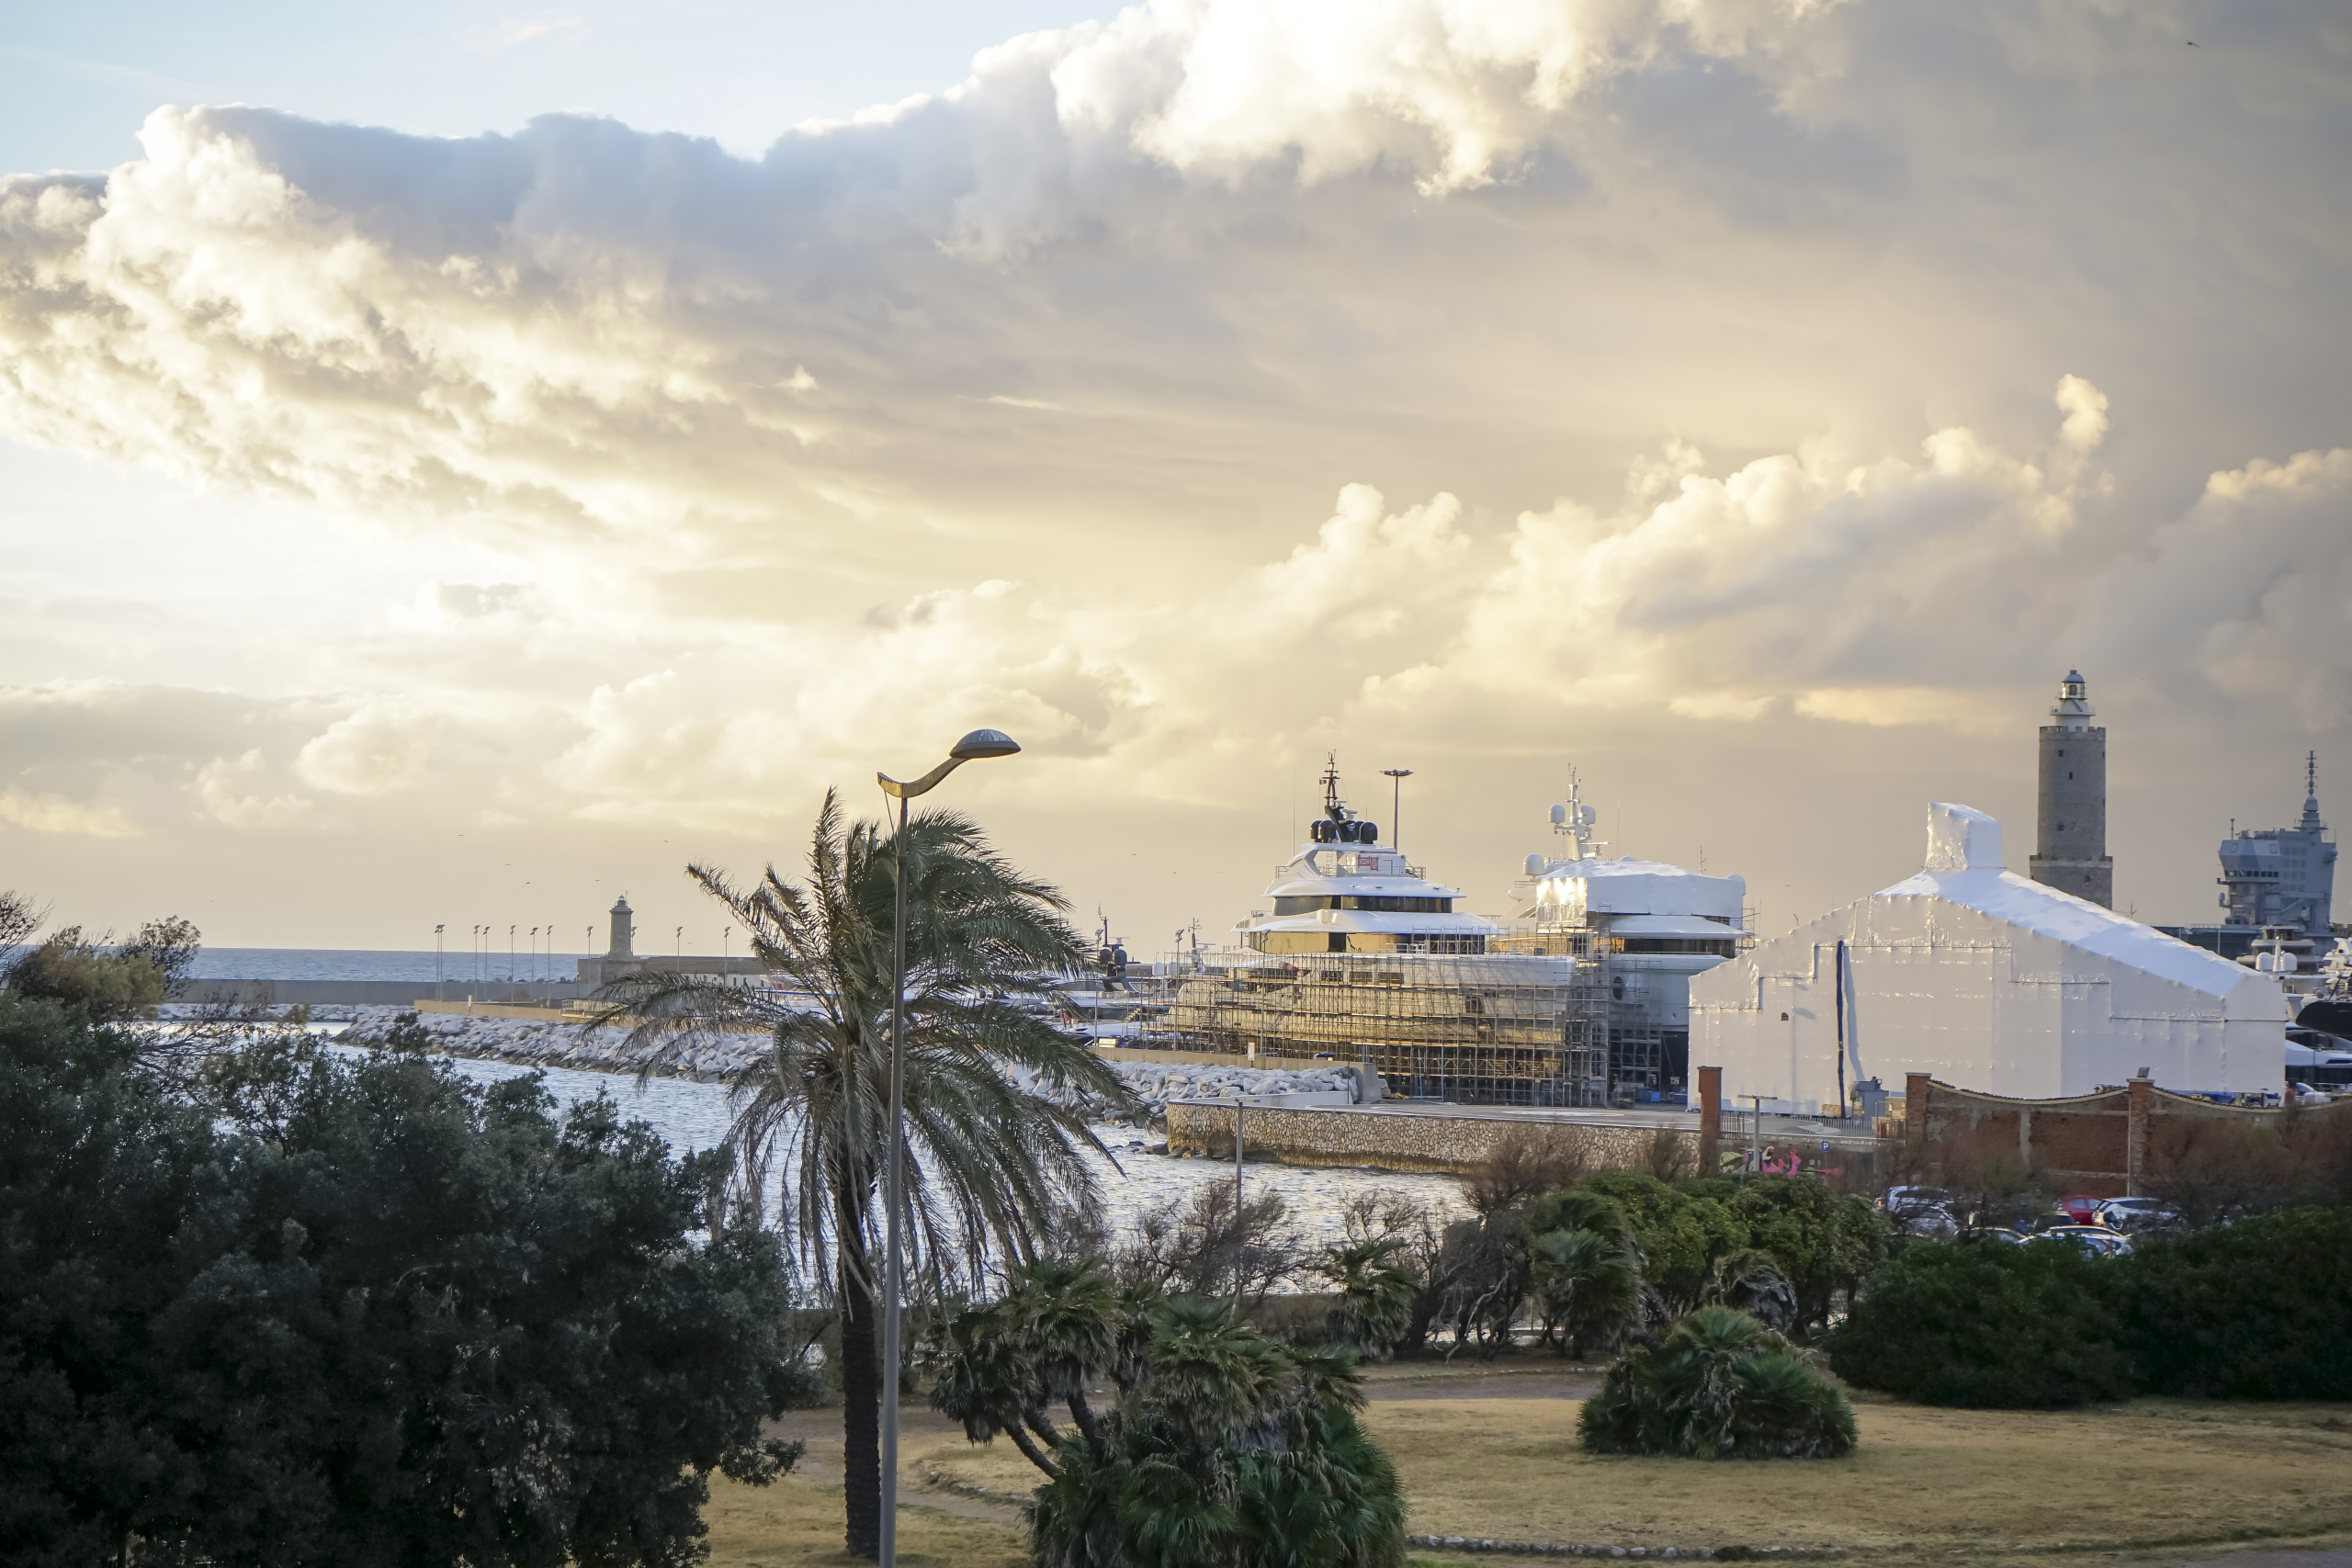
(692, 1115)
(374, 963)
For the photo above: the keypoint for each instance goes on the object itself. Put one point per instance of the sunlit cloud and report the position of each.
(1194, 391)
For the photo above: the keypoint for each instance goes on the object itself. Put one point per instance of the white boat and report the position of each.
(1364, 959)
(1348, 891)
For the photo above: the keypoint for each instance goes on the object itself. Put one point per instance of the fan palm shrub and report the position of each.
(1222, 1447)
(1376, 1287)
(989, 1165)
(1590, 1287)
(1231, 1449)
(1719, 1385)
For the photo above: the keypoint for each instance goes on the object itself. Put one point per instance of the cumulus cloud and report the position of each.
(54, 814)
(1692, 379)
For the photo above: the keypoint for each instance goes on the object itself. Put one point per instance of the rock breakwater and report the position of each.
(536, 1043)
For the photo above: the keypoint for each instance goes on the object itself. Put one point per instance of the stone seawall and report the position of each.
(1400, 1140)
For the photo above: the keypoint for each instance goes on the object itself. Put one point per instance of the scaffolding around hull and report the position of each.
(1489, 1030)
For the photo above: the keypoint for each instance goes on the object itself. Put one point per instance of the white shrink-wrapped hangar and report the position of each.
(1983, 980)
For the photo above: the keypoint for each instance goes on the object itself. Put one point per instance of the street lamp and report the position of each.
(436, 963)
(1397, 777)
(979, 743)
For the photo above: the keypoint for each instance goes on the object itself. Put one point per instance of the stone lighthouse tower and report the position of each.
(2070, 843)
(623, 929)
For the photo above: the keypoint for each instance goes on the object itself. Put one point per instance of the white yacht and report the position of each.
(1649, 925)
(1362, 958)
(1347, 891)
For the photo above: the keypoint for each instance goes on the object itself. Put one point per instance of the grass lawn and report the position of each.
(798, 1524)
(2152, 1473)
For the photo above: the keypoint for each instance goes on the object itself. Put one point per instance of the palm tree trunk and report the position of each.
(1032, 1452)
(1088, 1424)
(861, 1393)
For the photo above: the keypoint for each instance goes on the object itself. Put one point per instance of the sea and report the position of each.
(1131, 1180)
(379, 964)
(691, 1116)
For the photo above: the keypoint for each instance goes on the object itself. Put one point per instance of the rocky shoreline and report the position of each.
(536, 1043)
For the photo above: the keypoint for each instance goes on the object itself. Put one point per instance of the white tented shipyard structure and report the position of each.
(1983, 980)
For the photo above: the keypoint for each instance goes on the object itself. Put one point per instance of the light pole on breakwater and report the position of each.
(1397, 777)
(979, 744)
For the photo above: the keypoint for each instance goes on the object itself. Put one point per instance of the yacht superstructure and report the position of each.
(1649, 926)
(1361, 957)
(1346, 891)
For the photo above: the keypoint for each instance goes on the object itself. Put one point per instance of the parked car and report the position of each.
(1895, 1198)
(2096, 1239)
(2131, 1215)
(2080, 1208)
(1931, 1220)
(1996, 1233)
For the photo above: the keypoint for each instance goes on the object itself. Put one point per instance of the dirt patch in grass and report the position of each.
(2151, 1474)
(797, 1523)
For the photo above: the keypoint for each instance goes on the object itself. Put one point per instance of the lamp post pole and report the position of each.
(1397, 777)
(436, 963)
(979, 743)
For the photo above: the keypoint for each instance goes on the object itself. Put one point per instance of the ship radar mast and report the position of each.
(1576, 818)
(1334, 809)
(1338, 824)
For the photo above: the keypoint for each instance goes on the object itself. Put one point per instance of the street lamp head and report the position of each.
(1397, 772)
(984, 743)
(979, 744)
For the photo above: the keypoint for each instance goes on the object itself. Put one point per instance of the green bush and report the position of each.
(1720, 1385)
(359, 1312)
(1987, 1325)
(1682, 1232)
(1823, 1241)
(2258, 1310)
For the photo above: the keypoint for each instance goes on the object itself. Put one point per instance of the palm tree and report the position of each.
(990, 1165)
(1374, 1290)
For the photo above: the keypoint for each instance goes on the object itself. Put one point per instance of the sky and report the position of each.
(459, 464)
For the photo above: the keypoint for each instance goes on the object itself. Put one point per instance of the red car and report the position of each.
(2080, 1209)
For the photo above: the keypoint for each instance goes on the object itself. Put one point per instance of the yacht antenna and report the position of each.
(1332, 805)
(1577, 819)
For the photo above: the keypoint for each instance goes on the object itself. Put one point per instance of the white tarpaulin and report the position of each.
(1987, 981)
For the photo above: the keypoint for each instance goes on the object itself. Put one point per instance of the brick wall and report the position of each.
(2093, 1144)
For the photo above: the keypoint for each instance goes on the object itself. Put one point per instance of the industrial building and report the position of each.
(2278, 891)
(1986, 981)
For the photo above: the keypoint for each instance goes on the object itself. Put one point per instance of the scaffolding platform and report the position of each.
(1528, 1029)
